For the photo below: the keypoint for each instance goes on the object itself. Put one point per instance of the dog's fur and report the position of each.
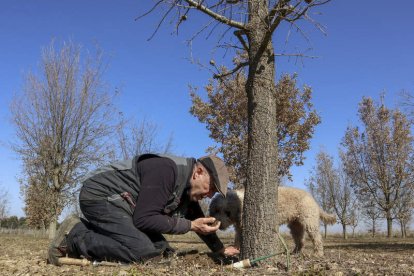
(296, 208)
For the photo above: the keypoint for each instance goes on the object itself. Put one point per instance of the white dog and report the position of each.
(296, 208)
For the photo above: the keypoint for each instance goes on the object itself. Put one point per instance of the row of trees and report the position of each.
(375, 174)
(13, 222)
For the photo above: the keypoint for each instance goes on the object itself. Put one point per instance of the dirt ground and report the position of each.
(26, 255)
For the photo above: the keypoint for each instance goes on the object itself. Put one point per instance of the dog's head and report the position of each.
(226, 209)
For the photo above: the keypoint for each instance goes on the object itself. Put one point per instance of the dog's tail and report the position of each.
(327, 218)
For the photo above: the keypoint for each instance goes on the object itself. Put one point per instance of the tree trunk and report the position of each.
(389, 224)
(373, 227)
(403, 229)
(325, 226)
(344, 231)
(260, 230)
(56, 205)
(52, 228)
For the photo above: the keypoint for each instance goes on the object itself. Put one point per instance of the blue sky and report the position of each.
(367, 50)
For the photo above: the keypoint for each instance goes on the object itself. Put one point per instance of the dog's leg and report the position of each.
(298, 234)
(316, 238)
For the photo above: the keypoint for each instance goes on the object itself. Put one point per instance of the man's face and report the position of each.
(201, 184)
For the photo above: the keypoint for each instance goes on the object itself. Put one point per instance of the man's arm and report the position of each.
(211, 240)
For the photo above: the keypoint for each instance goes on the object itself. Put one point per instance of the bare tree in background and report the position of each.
(225, 116)
(136, 139)
(62, 121)
(378, 158)
(4, 204)
(354, 217)
(407, 103)
(323, 178)
(254, 23)
(371, 214)
(403, 210)
(343, 200)
(404, 214)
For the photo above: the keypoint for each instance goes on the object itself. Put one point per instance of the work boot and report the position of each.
(58, 246)
(168, 252)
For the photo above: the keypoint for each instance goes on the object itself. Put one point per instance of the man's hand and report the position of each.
(229, 251)
(204, 226)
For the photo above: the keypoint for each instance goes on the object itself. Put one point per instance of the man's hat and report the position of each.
(218, 171)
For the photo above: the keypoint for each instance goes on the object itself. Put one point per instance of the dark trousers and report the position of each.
(109, 234)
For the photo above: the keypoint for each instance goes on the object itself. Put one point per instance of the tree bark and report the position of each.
(260, 229)
(389, 225)
(344, 231)
(402, 229)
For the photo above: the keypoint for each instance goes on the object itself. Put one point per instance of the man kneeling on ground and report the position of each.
(129, 205)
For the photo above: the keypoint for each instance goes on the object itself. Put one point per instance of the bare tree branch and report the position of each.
(295, 55)
(182, 19)
(150, 11)
(231, 72)
(216, 16)
(160, 23)
(239, 34)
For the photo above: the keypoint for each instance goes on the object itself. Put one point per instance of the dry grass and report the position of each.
(25, 254)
